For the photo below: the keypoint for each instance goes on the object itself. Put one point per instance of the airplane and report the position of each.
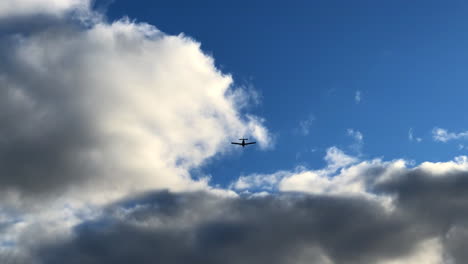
(243, 144)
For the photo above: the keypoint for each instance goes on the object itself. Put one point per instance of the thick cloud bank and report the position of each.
(427, 225)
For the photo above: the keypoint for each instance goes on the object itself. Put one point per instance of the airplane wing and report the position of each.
(236, 143)
(250, 143)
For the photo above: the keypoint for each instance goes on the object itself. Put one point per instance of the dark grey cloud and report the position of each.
(170, 228)
(438, 200)
(41, 135)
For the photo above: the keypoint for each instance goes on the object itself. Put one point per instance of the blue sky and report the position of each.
(308, 59)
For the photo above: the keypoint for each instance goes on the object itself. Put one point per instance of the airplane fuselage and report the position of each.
(243, 143)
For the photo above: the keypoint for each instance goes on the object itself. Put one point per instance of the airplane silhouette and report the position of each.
(243, 144)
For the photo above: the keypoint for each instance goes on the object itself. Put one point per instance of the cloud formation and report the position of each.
(120, 106)
(370, 212)
(442, 135)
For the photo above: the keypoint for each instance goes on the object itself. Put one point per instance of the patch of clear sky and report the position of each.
(408, 59)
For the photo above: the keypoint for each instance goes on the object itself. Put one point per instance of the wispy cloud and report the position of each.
(358, 139)
(442, 135)
(357, 97)
(355, 134)
(411, 136)
(304, 126)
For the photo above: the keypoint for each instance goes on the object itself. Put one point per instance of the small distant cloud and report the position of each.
(304, 126)
(358, 139)
(442, 135)
(357, 97)
(298, 155)
(355, 134)
(411, 136)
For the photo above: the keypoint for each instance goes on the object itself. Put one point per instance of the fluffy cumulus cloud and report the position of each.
(95, 117)
(121, 106)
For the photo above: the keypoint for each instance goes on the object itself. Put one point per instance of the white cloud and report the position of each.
(256, 128)
(116, 108)
(263, 181)
(9, 8)
(459, 163)
(348, 181)
(311, 181)
(442, 135)
(296, 180)
(357, 97)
